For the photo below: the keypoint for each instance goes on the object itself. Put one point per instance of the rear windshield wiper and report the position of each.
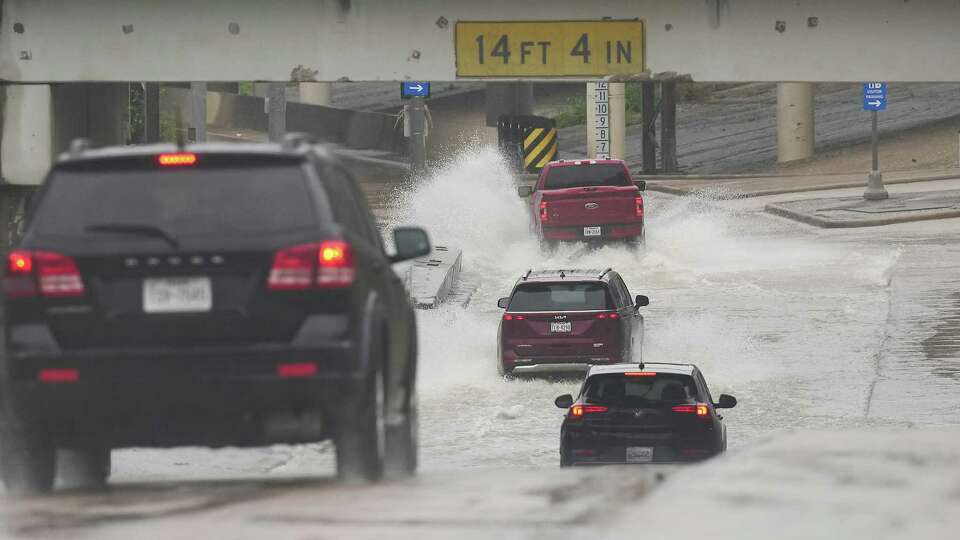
(138, 229)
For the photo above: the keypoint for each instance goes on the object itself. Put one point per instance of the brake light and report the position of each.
(57, 275)
(544, 212)
(640, 374)
(302, 369)
(326, 265)
(336, 266)
(578, 411)
(639, 206)
(699, 409)
(54, 375)
(180, 159)
(513, 317)
(608, 315)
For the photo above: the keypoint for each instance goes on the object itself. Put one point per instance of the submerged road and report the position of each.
(832, 330)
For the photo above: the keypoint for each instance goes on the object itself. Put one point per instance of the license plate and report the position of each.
(177, 295)
(561, 326)
(639, 454)
(591, 231)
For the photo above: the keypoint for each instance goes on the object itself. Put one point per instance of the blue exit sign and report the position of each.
(414, 89)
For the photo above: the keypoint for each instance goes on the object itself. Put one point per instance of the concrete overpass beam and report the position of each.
(795, 134)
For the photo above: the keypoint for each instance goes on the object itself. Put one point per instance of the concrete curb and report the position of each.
(431, 279)
(652, 186)
(826, 223)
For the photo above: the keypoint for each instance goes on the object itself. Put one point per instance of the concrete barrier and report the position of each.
(431, 279)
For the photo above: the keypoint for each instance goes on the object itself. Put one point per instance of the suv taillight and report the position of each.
(329, 264)
(639, 206)
(56, 274)
(544, 215)
(577, 411)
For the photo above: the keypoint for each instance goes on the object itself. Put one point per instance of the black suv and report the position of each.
(219, 294)
(643, 413)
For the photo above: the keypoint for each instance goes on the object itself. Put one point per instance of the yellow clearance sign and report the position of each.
(549, 48)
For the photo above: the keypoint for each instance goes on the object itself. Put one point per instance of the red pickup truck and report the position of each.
(586, 200)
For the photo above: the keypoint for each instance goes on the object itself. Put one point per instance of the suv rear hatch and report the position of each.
(562, 319)
(589, 194)
(153, 254)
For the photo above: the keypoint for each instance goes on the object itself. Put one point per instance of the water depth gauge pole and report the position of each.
(875, 100)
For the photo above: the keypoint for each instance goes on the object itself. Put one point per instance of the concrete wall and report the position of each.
(370, 40)
(40, 120)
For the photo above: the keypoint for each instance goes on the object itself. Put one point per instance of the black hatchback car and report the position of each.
(645, 413)
(218, 294)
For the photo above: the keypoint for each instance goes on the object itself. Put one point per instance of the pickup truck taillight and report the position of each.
(328, 264)
(544, 215)
(639, 206)
(56, 274)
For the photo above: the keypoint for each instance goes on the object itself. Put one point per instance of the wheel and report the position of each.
(361, 438)
(402, 438)
(84, 468)
(27, 457)
(506, 374)
(401, 458)
(566, 460)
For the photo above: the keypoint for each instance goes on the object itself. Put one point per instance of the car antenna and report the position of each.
(562, 275)
(604, 273)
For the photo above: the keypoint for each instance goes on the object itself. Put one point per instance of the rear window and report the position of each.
(606, 174)
(561, 297)
(650, 391)
(183, 201)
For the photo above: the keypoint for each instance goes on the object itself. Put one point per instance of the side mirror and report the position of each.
(524, 191)
(726, 402)
(410, 243)
(503, 302)
(564, 401)
(641, 185)
(642, 301)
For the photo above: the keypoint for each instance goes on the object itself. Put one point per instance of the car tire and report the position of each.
(402, 439)
(361, 434)
(86, 468)
(565, 459)
(27, 457)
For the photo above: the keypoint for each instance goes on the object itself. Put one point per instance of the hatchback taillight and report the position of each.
(544, 212)
(577, 411)
(699, 409)
(639, 206)
(608, 315)
(57, 275)
(329, 264)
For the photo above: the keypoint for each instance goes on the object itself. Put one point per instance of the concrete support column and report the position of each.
(277, 112)
(513, 98)
(151, 112)
(795, 125)
(316, 93)
(198, 100)
(618, 120)
(27, 148)
(649, 119)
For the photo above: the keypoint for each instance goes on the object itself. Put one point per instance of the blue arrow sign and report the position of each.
(874, 96)
(414, 89)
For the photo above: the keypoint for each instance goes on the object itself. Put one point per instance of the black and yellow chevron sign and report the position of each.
(539, 148)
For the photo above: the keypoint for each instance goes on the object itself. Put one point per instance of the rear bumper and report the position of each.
(612, 231)
(558, 364)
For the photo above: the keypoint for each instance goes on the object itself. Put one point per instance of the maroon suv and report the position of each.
(567, 320)
(593, 200)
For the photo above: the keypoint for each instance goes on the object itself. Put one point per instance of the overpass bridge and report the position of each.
(64, 66)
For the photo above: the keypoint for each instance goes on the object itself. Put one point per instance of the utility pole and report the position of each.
(418, 140)
(277, 111)
(151, 112)
(198, 98)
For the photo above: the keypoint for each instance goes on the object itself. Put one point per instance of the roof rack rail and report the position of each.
(525, 276)
(79, 146)
(293, 140)
(604, 273)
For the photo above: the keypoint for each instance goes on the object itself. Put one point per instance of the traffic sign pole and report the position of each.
(875, 100)
(418, 140)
